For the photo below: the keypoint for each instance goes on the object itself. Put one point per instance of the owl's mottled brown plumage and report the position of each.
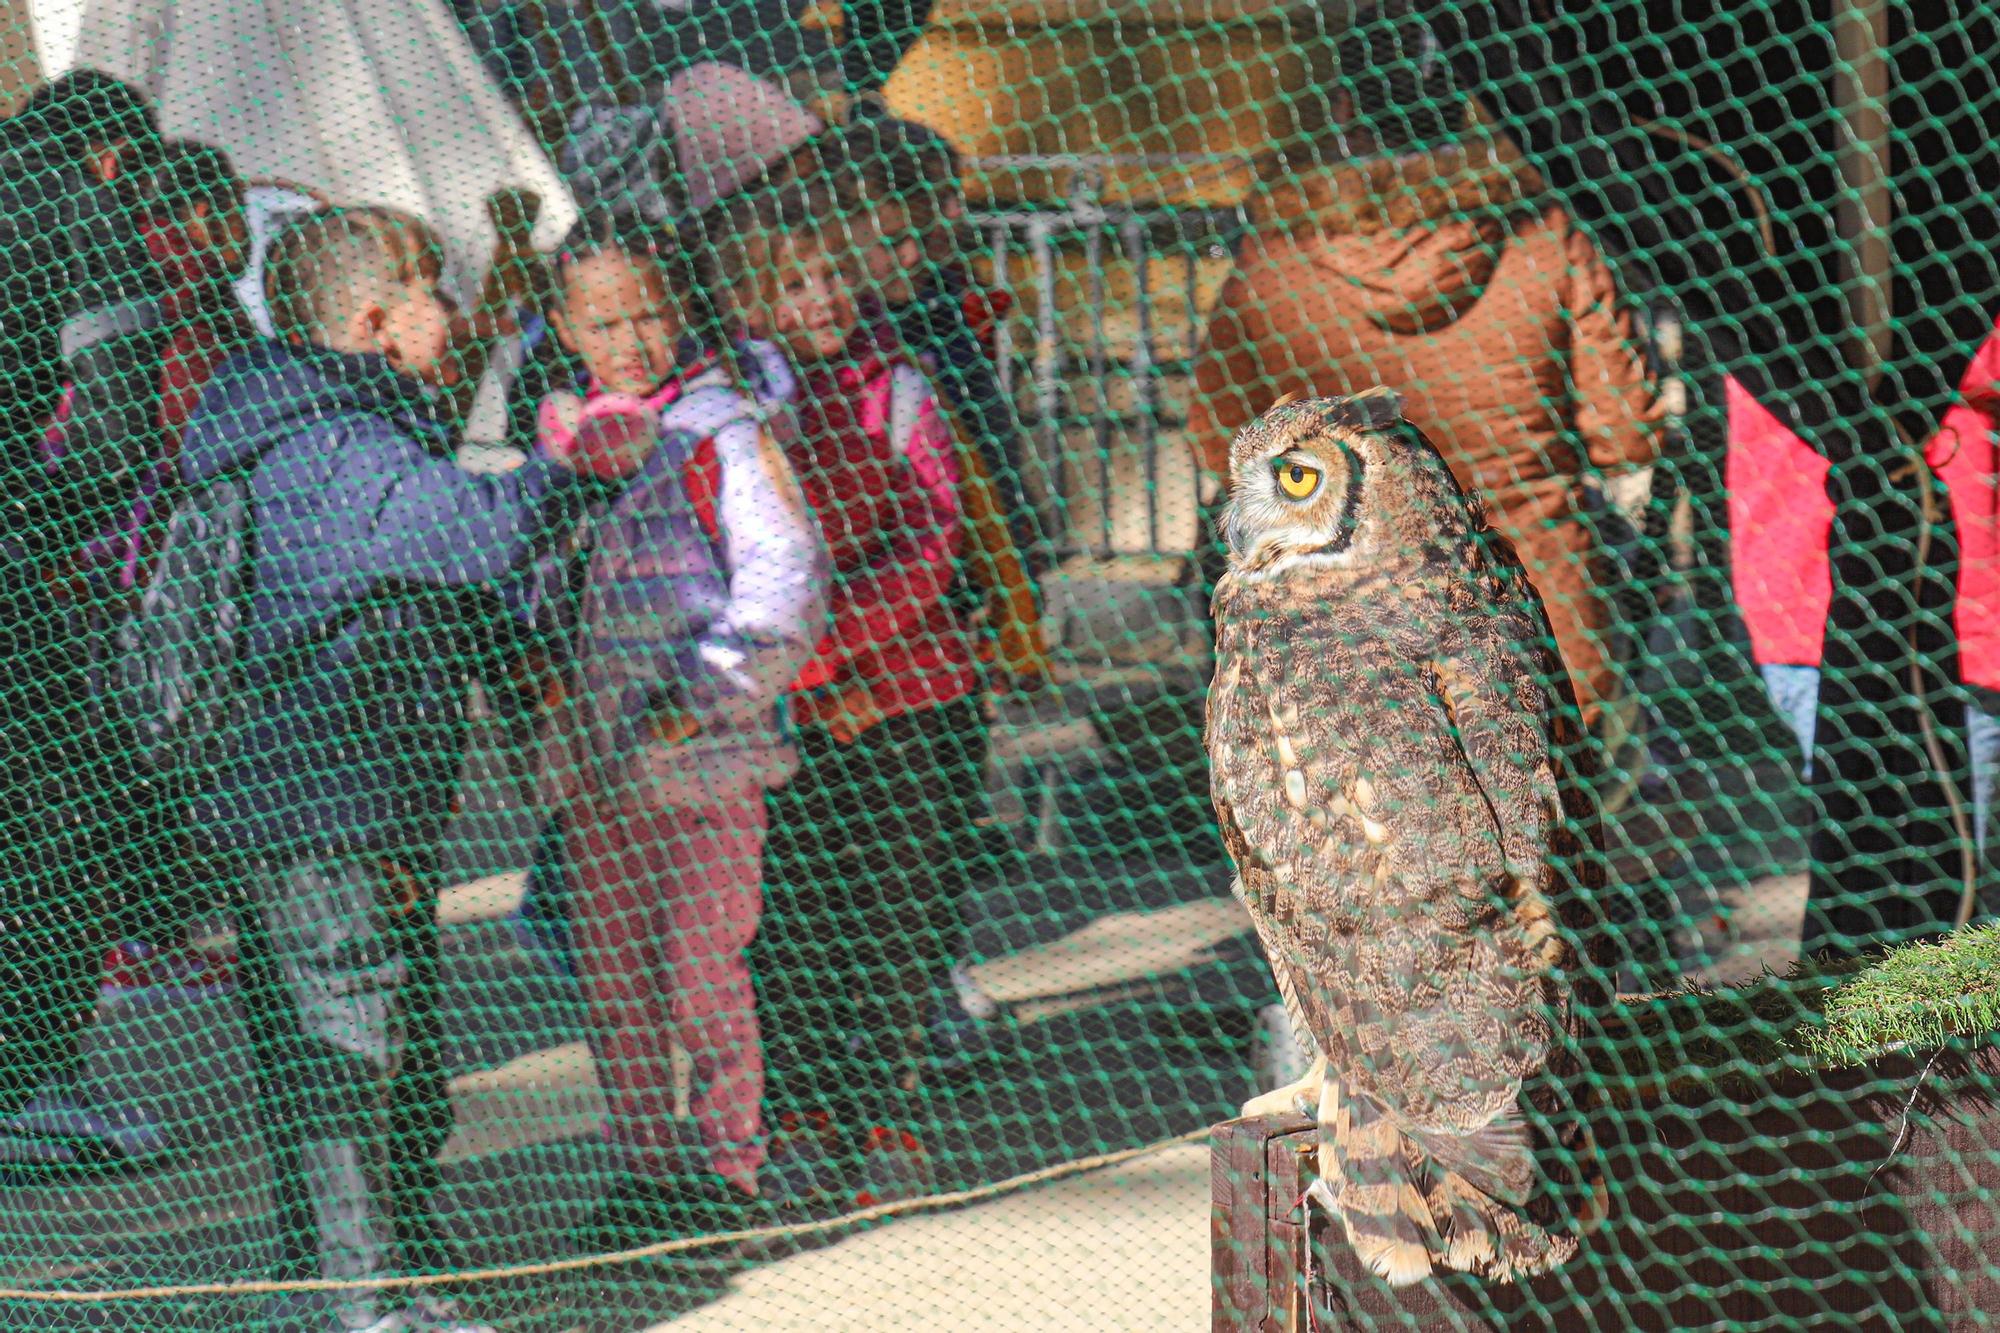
(1396, 773)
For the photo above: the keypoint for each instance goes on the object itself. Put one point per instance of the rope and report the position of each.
(927, 1203)
(1752, 189)
(1968, 846)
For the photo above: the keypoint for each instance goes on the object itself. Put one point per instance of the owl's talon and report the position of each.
(1278, 1101)
(1318, 1192)
(1300, 1098)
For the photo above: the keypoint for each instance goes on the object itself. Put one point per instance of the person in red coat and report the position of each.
(1781, 519)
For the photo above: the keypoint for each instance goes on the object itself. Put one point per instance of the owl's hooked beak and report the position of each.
(1235, 534)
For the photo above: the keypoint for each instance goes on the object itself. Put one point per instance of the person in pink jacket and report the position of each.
(1781, 520)
(704, 593)
(869, 842)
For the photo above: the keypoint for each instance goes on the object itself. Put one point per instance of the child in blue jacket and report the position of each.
(368, 540)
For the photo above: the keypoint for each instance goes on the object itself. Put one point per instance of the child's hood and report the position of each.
(193, 275)
(274, 391)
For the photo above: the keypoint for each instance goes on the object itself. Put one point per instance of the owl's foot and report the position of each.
(1300, 1098)
(1321, 1193)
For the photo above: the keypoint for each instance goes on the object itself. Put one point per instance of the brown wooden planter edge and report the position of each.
(1864, 1197)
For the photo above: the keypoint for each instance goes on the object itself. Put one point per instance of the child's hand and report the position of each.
(1629, 492)
(608, 437)
(557, 421)
(561, 414)
(849, 713)
(536, 679)
(674, 726)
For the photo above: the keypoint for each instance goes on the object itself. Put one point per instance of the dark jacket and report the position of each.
(936, 333)
(71, 247)
(370, 545)
(68, 245)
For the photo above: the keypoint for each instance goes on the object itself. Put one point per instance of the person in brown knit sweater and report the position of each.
(1388, 250)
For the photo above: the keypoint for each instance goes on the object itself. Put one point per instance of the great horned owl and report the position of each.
(1396, 776)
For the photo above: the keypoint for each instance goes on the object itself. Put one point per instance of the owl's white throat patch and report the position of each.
(1256, 570)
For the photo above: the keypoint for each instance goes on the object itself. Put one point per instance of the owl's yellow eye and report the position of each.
(1297, 480)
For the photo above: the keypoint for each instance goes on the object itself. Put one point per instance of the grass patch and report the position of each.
(1919, 996)
(1817, 1016)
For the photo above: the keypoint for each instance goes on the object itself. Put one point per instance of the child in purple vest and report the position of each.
(703, 594)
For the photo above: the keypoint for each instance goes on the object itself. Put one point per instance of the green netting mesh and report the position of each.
(608, 634)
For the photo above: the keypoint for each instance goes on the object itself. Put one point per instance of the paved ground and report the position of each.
(1119, 1249)
(1125, 1248)
(1132, 1022)
(1130, 1026)
(523, 1166)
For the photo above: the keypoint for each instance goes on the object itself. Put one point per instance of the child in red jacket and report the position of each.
(868, 841)
(190, 210)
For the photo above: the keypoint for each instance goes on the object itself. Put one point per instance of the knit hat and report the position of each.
(729, 128)
(1397, 80)
(615, 161)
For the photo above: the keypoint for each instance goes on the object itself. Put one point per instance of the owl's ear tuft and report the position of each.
(1287, 399)
(1378, 408)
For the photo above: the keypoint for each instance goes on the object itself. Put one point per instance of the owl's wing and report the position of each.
(1515, 719)
(1361, 835)
(1514, 715)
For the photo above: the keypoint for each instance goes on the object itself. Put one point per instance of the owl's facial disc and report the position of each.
(1303, 500)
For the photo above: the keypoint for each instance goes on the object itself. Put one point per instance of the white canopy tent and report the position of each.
(363, 101)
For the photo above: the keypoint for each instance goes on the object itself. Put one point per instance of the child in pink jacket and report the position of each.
(705, 592)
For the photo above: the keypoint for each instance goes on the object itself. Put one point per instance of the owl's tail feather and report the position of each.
(1367, 1180)
(1497, 1159)
(1407, 1209)
(1491, 1239)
